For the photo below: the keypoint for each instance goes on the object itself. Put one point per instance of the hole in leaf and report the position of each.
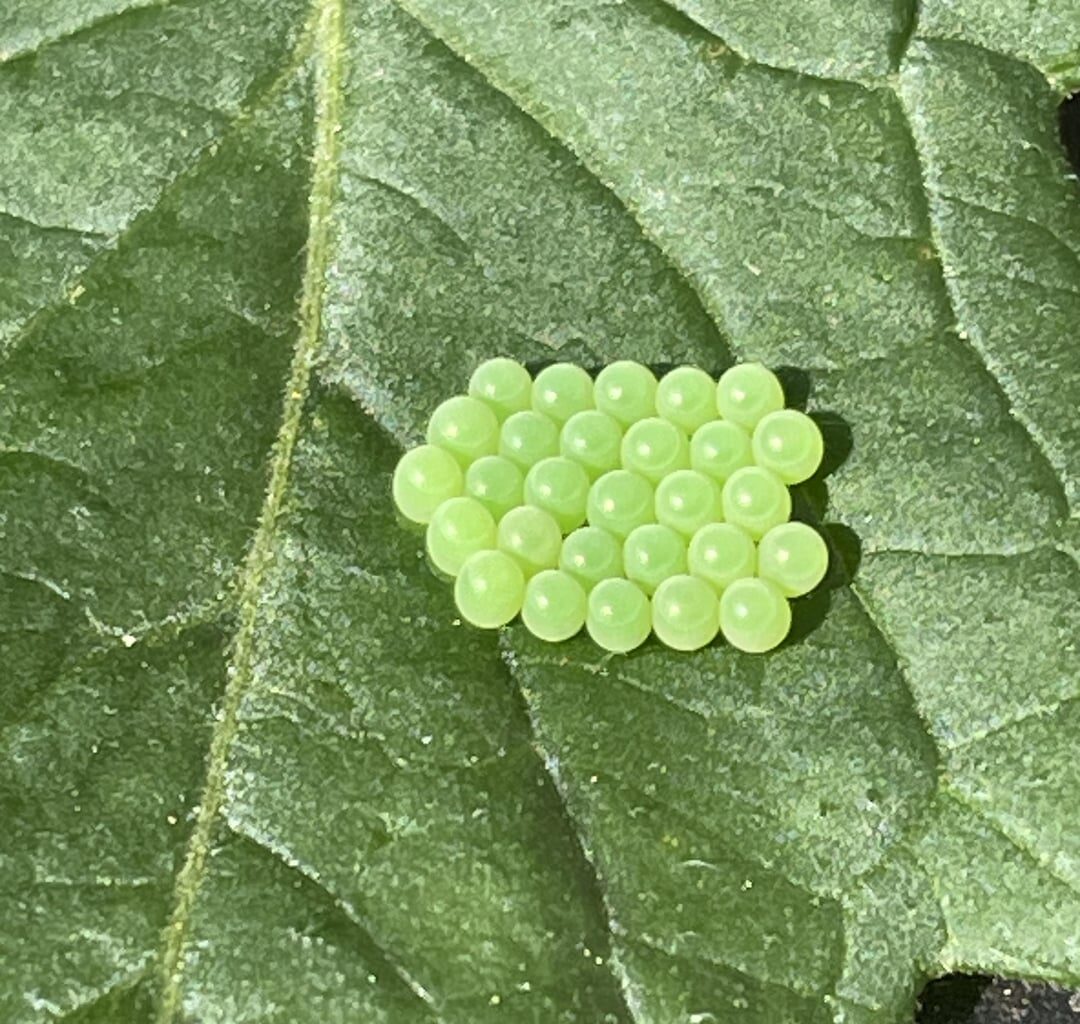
(977, 999)
(825, 808)
(1069, 125)
(951, 1000)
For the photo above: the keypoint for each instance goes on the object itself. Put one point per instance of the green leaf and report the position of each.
(253, 768)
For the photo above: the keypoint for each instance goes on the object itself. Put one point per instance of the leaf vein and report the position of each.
(1039, 711)
(284, 855)
(894, 647)
(1072, 251)
(712, 308)
(1018, 843)
(90, 25)
(425, 205)
(327, 17)
(65, 229)
(969, 334)
(110, 242)
(757, 61)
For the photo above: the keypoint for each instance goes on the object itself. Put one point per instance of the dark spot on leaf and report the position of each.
(1069, 125)
(950, 1000)
(976, 999)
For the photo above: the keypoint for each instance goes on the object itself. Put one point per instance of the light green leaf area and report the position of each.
(253, 768)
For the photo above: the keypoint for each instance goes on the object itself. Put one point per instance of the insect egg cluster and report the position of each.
(624, 504)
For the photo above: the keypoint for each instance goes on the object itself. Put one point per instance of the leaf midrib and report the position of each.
(326, 22)
(257, 100)
(329, 60)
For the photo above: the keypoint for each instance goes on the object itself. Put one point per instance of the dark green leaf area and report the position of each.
(442, 837)
(140, 415)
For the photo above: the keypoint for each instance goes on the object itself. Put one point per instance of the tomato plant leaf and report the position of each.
(254, 769)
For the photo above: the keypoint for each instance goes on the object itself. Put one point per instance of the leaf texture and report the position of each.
(254, 769)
